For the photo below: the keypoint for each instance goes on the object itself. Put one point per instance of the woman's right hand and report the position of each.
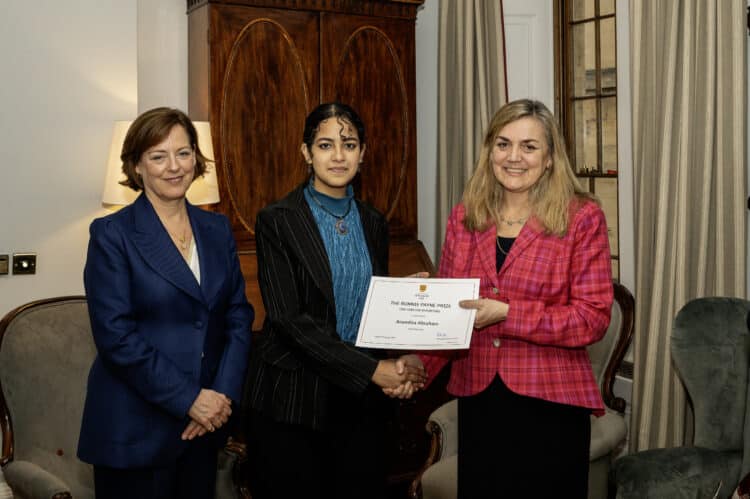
(392, 373)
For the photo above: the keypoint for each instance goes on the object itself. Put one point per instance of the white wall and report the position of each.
(72, 77)
(66, 78)
(529, 50)
(162, 54)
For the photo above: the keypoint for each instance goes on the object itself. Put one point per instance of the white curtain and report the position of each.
(689, 131)
(471, 87)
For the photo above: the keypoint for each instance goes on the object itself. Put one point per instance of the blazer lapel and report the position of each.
(530, 231)
(485, 241)
(207, 242)
(158, 251)
(307, 243)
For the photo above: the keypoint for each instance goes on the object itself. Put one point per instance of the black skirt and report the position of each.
(512, 446)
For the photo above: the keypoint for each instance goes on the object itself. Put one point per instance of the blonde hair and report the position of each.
(549, 198)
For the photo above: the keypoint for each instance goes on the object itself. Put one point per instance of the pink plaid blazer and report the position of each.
(559, 292)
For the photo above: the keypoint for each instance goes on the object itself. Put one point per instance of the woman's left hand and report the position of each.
(211, 409)
(419, 275)
(488, 311)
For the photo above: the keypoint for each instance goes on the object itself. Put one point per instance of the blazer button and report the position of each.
(203, 355)
(494, 290)
(496, 343)
(198, 324)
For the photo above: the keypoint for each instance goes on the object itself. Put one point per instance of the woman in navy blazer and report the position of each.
(170, 321)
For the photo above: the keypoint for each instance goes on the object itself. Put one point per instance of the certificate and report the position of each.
(417, 314)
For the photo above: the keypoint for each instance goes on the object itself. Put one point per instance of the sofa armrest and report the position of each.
(607, 432)
(442, 426)
(445, 418)
(29, 480)
(5, 492)
(440, 481)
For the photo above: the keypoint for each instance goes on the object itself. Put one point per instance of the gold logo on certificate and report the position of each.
(422, 288)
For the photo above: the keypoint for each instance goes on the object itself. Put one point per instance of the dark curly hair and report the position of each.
(331, 110)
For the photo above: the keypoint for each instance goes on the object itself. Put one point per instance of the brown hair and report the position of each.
(551, 195)
(149, 129)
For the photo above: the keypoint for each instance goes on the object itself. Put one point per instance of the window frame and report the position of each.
(565, 99)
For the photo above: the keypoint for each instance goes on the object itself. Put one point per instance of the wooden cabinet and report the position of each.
(256, 68)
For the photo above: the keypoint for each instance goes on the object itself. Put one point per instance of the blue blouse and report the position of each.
(348, 256)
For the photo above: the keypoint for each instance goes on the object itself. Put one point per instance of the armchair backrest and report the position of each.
(710, 345)
(607, 354)
(46, 350)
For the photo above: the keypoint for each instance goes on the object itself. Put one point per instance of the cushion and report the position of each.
(5, 492)
(677, 473)
(607, 432)
(440, 481)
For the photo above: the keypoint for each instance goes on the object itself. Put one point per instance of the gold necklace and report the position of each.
(180, 241)
(503, 251)
(183, 243)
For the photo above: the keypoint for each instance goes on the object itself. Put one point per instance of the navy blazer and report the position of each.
(160, 336)
(301, 365)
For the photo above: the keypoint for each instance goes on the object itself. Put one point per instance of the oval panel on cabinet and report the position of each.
(377, 90)
(264, 103)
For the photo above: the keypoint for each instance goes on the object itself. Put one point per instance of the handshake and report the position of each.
(400, 378)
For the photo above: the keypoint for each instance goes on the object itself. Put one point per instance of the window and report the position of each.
(586, 98)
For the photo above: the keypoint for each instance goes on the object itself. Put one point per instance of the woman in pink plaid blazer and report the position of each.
(538, 243)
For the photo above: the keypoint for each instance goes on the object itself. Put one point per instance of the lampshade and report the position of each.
(204, 190)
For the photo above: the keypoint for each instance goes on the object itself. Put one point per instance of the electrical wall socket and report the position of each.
(24, 263)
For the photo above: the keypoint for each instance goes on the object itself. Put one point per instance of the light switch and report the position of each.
(3, 264)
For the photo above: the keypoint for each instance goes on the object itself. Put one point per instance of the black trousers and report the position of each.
(289, 461)
(512, 446)
(192, 476)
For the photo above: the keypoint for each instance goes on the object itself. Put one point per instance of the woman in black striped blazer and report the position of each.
(317, 407)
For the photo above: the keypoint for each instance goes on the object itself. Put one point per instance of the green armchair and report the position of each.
(46, 350)
(710, 348)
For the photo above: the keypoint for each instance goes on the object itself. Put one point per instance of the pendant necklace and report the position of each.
(341, 226)
(180, 241)
(183, 243)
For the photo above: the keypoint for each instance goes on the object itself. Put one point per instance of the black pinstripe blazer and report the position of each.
(301, 362)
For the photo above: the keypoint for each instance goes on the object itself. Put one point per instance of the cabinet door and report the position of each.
(265, 80)
(369, 62)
